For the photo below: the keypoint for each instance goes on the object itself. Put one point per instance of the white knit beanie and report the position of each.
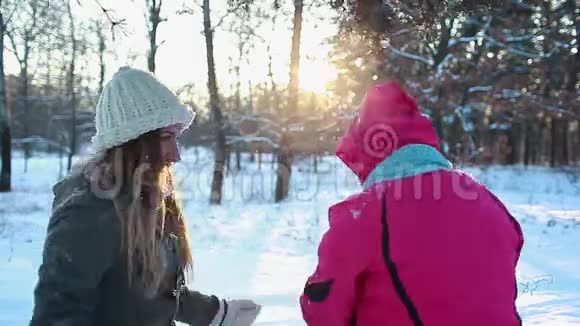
(133, 103)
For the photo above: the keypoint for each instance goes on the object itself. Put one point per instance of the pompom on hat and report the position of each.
(133, 103)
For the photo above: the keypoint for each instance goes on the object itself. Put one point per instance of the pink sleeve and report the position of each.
(330, 293)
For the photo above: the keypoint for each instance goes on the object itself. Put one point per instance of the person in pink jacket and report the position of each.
(423, 243)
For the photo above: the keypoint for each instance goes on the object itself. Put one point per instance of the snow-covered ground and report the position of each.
(250, 247)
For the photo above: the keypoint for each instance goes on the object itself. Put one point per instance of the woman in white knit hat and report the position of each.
(117, 251)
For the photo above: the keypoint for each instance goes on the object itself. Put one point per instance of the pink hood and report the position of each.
(388, 120)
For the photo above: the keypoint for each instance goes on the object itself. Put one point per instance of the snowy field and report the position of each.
(250, 247)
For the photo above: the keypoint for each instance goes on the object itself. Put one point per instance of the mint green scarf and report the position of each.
(407, 161)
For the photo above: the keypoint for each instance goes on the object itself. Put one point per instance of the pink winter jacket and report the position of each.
(423, 244)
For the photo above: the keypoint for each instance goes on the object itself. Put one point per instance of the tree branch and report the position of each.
(228, 12)
(115, 23)
(185, 11)
(14, 48)
(409, 55)
(9, 18)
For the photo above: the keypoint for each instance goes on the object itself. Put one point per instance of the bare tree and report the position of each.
(242, 42)
(101, 50)
(245, 27)
(4, 116)
(273, 86)
(284, 170)
(7, 10)
(215, 108)
(23, 39)
(153, 16)
(217, 117)
(70, 87)
(573, 73)
(48, 65)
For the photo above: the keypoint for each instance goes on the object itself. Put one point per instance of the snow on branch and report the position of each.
(458, 40)
(39, 140)
(559, 110)
(442, 64)
(535, 99)
(510, 93)
(476, 89)
(520, 38)
(250, 139)
(328, 127)
(264, 123)
(408, 55)
(520, 52)
(467, 39)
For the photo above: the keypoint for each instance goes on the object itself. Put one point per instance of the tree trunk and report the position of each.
(238, 157)
(513, 133)
(276, 105)
(443, 45)
(71, 91)
(102, 49)
(565, 158)
(275, 109)
(284, 169)
(554, 124)
(573, 71)
(273, 160)
(151, 55)
(6, 141)
(251, 112)
(228, 162)
(529, 149)
(315, 163)
(25, 107)
(215, 109)
(24, 97)
(238, 98)
(438, 125)
(522, 142)
(238, 76)
(250, 97)
(285, 154)
(543, 138)
(576, 144)
(47, 84)
(576, 147)
(437, 117)
(259, 158)
(575, 62)
(155, 19)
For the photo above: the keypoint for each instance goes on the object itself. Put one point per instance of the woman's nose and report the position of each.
(177, 155)
(173, 155)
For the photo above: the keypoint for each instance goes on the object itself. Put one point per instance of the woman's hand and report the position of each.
(236, 313)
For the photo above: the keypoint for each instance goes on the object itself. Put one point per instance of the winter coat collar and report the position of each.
(408, 161)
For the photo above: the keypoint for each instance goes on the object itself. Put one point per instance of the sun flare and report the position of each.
(316, 74)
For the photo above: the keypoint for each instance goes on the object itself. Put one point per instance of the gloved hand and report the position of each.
(236, 313)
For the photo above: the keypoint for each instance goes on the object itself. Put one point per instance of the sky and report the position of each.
(181, 59)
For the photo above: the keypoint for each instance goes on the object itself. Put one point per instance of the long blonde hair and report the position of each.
(145, 201)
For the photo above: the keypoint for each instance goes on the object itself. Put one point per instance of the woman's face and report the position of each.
(169, 148)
